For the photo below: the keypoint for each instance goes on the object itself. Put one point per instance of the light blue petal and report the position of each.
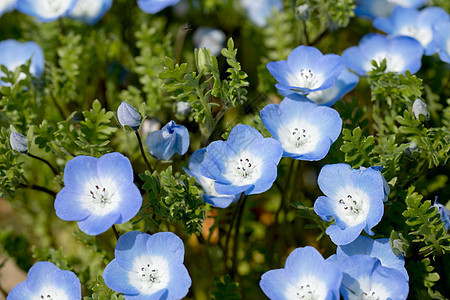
(355, 60)
(229, 189)
(330, 65)
(327, 120)
(155, 6)
(158, 295)
(393, 281)
(280, 70)
(195, 162)
(221, 202)
(333, 177)
(180, 281)
(89, 17)
(160, 147)
(323, 207)
(131, 202)
(373, 43)
(20, 292)
(80, 171)
(384, 24)
(344, 236)
(116, 278)
(68, 205)
(356, 268)
(305, 261)
(95, 224)
(274, 284)
(128, 115)
(130, 245)
(410, 50)
(114, 169)
(241, 138)
(382, 250)
(402, 17)
(41, 274)
(214, 169)
(322, 148)
(441, 38)
(428, 17)
(303, 57)
(265, 182)
(34, 9)
(271, 118)
(268, 150)
(166, 245)
(70, 283)
(182, 140)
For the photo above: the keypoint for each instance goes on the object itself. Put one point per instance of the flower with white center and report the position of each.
(7, 6)
(401, 53)
(155, 6)
(306, 276)
(413, 23)
(148, 267)
(45, 10)
(210, 38)
(128, 116)
(210, 196)
(259, 11)
(354, 198)
(90, 11)
(171, 139)
(441, 38)
(366, 279)
(18, 142)
(47, 282)
(246, 162)
(14, 54)
(306, 70)
(371, 9)
(304, 129)
(98, 192)
(379, 248)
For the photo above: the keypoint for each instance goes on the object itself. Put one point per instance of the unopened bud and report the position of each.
(128, 115)
(203, 58)
(18, 142)
(420, 108)
(302, 12)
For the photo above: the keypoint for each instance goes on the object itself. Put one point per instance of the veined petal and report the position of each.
(344, 236)
(116, 279)
(96, 224)
(114, 169)
(166, 245)
(80, 171)
(130, 245)
(130, 203)
(68, 205)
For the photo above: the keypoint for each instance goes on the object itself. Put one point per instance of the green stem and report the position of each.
(227, 240)
(241, 206)
(116, 233)
(37, 188)
(141, 147)
(44, 161)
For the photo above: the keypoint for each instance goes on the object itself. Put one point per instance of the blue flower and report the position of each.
(371, 9)
(98, 192)
(47, 281)
(18, 142)
(379, 248)
(304, 129)
(444, 214)
(210, 196)
(15, 54)
(306, 275)
(155, 6)
(171, 139)
(401, 53)
(365, 278)
(7, 6)
(210, 38)
(90, 11)
(148, 267)
(354, 198)
(442, 39)
(45, 10)
(246, 162)
(128, 116)
(259, 11)
(386, 188)
(306, 70)
(413, 23)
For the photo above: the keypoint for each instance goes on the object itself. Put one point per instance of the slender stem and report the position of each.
(44, 161)
(236, 237)
(38, 188)
(149, 167)
(227, 240)
(305, 33)
(116, 233)
(320, 37)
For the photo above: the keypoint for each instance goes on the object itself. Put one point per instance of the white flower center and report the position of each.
(298, 137)
(307, 288)
(88, 8)
(394, 63)
(243, 169)
(423, 35)
(307, 79)
(53, 8)
(352, 205)
(369, 296)
(151, 274)
(100, 196)
(51, 293)
(306, 293)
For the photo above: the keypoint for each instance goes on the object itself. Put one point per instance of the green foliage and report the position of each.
(424, 279)
(17, 246)
(172, 198)
(357, 148)
(326, 14)
(11, 171)
(51, 255)
(102, 292)
(226, 289)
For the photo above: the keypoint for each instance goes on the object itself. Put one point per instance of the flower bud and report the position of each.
(203, 58)
(18, 142)
(128, 115)
(302, 12)
(420, 108)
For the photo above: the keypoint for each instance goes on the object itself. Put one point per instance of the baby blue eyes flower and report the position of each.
(306, 70)
(366, 279)
(148, 267)
(259, 11)
(171, 139)
(155, 6)
(45, 10)
(98, 192)
(15, 54)
(354, 198)
(306, 275)
(371, 9)
(246, 162)
(379, 248)
(128, 116)
(47, 281)
(401, 53)
(413, 23)
(210, 38)
(304, 129)
(210, 196)
(444, 214)
(90, 11)
(442, 39)
(18, 142)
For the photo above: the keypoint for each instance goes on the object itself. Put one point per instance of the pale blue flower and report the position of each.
(210, 38)
(155, 6)
(148, 267)
(304, 129)
(386, 188)
(247, 162)
(306, 275)
(7, 6)
(14, 54)
(366, 278)
(259, 11)
(442, 39)
(210, 196)
(444, 213)
(306, 70)
(90, 11)
(401, 53)
(379, 248)
(371, 9)
(413, 23)
(18, 142)
(171, 139)
(128, 116)
(98, 192)
(45, 10)
(47, 281)
(354, 199)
